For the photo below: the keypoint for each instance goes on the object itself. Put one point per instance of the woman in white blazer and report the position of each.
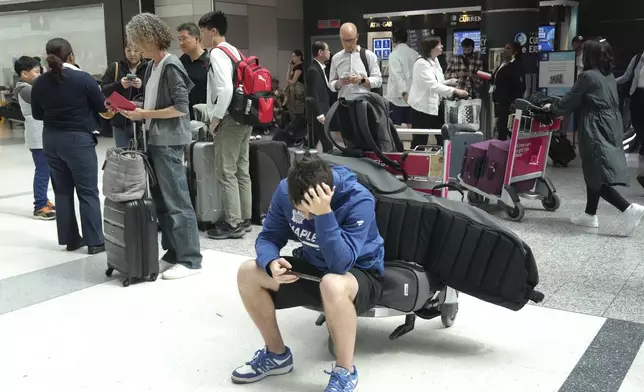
(428, 89)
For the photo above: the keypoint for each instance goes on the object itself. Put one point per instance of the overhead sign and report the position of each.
(384, 24)
(328, 23)
(457, 19)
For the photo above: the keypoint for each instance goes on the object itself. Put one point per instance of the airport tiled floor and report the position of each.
(65, 326)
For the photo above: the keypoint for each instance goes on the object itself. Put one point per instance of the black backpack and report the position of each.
(365, 62)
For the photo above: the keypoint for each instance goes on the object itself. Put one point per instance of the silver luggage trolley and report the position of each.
(527, 160)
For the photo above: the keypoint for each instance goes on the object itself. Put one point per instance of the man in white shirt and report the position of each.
(231, 138)
(401, 66)
(349, 74)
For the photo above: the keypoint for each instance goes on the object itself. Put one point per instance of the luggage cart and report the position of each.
(527, 160)
(421, 164)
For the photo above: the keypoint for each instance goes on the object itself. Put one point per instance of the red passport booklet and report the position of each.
(118, 102)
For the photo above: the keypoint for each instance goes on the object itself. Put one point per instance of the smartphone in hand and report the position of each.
(305, 276)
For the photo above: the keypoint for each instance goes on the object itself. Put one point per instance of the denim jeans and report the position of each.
(41, 179)
(177, 219)
(74, 166)
(122, 137)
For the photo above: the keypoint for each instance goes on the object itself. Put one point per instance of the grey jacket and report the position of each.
(33, 127)
(601, 131)
(174, 88)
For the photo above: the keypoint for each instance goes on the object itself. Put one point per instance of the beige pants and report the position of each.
(231, 168)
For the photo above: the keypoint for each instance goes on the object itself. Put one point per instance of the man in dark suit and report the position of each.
(317, 92)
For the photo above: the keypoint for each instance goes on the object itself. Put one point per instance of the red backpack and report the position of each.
(252, 102)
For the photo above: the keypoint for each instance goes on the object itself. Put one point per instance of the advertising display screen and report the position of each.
(547, 38)
(459, 36)
(382, 48)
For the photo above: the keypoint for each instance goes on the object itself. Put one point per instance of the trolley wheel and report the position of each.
(551, 202)
(126, 282)
(153, 277)
(109, 271)
(330, 346)
(448, 314)
(475, 199)
(516, 213)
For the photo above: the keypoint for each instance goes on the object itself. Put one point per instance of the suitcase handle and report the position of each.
(491, 170)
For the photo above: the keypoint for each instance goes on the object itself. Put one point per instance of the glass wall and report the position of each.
(23, 33)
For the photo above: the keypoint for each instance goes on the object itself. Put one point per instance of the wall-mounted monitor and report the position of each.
(547, 38)
(459, 36)
(382, 48)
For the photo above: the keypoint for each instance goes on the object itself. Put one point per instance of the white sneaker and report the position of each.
(585, 220)
(164, 266)
(179, 271)
(633, 216)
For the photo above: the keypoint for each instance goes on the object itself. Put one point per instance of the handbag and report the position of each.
(127, 173)
(464, 111)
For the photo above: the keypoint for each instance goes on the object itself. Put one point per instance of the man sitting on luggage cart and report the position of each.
(339, 267)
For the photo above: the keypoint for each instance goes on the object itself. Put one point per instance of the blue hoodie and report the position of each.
(334, 242)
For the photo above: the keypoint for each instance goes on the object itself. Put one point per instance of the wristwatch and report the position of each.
(363, 81)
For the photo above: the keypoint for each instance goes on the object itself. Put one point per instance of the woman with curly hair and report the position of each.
(165, 112)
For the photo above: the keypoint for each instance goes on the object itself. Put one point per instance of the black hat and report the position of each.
(578, 38)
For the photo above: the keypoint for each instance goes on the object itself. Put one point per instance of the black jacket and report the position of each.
(509, 82)
(112, 83)
(69, 104)
(317, 88)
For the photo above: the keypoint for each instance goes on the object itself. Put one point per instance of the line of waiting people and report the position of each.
(62, 106)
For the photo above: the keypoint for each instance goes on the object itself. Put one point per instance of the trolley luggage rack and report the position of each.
(527, 160)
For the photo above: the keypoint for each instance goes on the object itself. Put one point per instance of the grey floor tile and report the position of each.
(627, 306)
(573, 297)
(35, 287)
(608, 358)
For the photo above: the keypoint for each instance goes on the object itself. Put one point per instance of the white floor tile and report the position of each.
(634, 381)
(188, 335)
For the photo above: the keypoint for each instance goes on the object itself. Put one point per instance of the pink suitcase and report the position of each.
(491, 179)
(473, 161)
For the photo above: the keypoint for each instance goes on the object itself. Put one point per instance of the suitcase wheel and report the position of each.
(109, 271)
(126, 282)
(551, 203)
(153, 277)
(475, 199)
(516, 213)
(448, 314)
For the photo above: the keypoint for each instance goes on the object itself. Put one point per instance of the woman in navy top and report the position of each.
(67, 99)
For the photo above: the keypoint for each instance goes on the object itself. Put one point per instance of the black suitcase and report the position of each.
(131, 234)
(269, 164)
(561, 151)
(131, 239)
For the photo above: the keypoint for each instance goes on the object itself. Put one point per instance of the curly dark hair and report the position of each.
(145, 29)
(307, 173)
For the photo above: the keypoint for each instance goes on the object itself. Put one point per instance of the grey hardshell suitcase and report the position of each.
(298, 153)
(205, 191)
(460, 136)
(131, 236)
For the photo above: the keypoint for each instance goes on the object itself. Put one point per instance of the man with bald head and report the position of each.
(354, 70)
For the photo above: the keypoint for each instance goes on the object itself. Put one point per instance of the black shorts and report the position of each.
(307, 293)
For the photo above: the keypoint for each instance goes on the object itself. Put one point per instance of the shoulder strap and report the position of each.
(232, 58)
(116, 72)
(365, 61)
